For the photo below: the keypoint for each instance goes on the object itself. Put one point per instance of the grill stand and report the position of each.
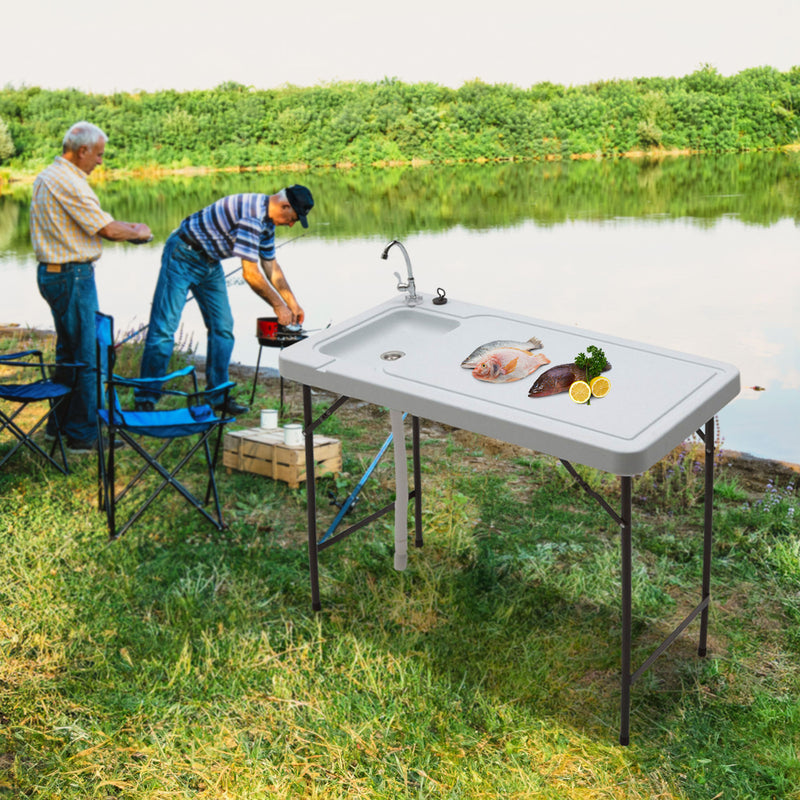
(255, 377)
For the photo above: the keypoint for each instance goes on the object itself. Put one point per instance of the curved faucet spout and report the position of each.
(409, 286)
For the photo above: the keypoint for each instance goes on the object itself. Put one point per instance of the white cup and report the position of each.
(269, 418)
(293, 434)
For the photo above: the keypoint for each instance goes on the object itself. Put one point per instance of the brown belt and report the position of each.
(65, 267)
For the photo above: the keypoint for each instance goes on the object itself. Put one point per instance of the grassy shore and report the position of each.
(10, 177)
(183, 662)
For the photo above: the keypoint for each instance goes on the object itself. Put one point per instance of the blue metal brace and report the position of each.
(359, 486)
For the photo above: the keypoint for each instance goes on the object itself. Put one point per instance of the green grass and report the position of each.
(179, 662)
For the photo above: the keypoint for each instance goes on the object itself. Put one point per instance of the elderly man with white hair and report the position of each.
(67, 228)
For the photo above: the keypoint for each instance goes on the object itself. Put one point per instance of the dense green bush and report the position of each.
(7, 148)
(364, 123)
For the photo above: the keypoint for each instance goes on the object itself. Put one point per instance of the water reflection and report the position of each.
(697, 255)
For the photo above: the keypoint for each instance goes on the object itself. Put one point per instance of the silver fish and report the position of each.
(480, 353)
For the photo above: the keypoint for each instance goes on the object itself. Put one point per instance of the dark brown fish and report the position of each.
(559, 379)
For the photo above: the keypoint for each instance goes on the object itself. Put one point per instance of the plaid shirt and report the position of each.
(236, 225)
(65, 215)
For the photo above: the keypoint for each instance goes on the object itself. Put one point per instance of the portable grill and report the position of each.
(270, 334)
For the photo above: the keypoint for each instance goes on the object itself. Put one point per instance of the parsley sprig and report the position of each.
(593, 361)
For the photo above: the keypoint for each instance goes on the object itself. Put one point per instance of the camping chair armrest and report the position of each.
(68, 364)
(37, 364)
(11, 361)
(145, 382)
(23, 354)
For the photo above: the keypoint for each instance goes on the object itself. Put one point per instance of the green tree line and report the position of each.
(402, 201)
(390, 121)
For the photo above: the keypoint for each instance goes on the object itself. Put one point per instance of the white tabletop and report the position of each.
(658, 397)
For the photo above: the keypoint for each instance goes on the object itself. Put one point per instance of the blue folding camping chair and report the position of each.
(20, 395)
(194, 418)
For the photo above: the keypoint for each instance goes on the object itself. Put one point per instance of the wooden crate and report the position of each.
(264, 453)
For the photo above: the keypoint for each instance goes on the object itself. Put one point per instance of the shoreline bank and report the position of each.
(10, 177)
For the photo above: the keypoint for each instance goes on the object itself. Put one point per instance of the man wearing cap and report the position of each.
(239, 225)
(67, 229)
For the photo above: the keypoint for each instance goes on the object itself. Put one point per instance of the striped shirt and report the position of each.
(236, 225)
(65, 215)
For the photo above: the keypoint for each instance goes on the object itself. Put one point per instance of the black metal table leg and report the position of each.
(625, 543)
(311, 499)
(708, 512)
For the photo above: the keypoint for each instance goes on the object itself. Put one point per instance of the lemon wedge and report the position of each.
(600, 386)
(579, 392)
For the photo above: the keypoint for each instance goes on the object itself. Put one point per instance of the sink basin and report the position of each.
(391, 336)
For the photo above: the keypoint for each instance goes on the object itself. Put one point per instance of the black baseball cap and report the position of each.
(301, 201)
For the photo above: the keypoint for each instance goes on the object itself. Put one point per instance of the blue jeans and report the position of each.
(183, 270)
(72, 297)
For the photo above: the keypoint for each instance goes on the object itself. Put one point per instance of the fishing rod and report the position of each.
(192, 297)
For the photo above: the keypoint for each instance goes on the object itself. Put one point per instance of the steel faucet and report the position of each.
(412, 299)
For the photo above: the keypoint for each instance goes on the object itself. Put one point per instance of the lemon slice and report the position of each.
(600, 386)
(579, 392)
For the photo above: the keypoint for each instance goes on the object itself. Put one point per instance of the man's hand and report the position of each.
(117, 231)
(142, 233)
(270, 284)
(285, 317)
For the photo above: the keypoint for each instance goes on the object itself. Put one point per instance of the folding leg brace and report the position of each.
(624, 520)
(315, 545)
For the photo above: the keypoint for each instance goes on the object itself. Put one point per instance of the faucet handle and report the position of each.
(401, 287)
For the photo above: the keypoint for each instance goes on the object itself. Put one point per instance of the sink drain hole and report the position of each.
(392, 355)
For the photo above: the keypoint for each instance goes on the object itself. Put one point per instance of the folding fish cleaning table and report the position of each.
(408, 359)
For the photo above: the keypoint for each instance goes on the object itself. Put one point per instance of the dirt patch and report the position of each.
(753, 474)
(12, 330)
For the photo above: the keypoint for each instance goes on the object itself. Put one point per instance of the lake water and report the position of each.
(713, 277)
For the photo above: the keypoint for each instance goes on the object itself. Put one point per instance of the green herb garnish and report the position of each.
(593, 362)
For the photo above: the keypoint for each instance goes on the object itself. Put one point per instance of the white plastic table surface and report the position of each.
(658, 397)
